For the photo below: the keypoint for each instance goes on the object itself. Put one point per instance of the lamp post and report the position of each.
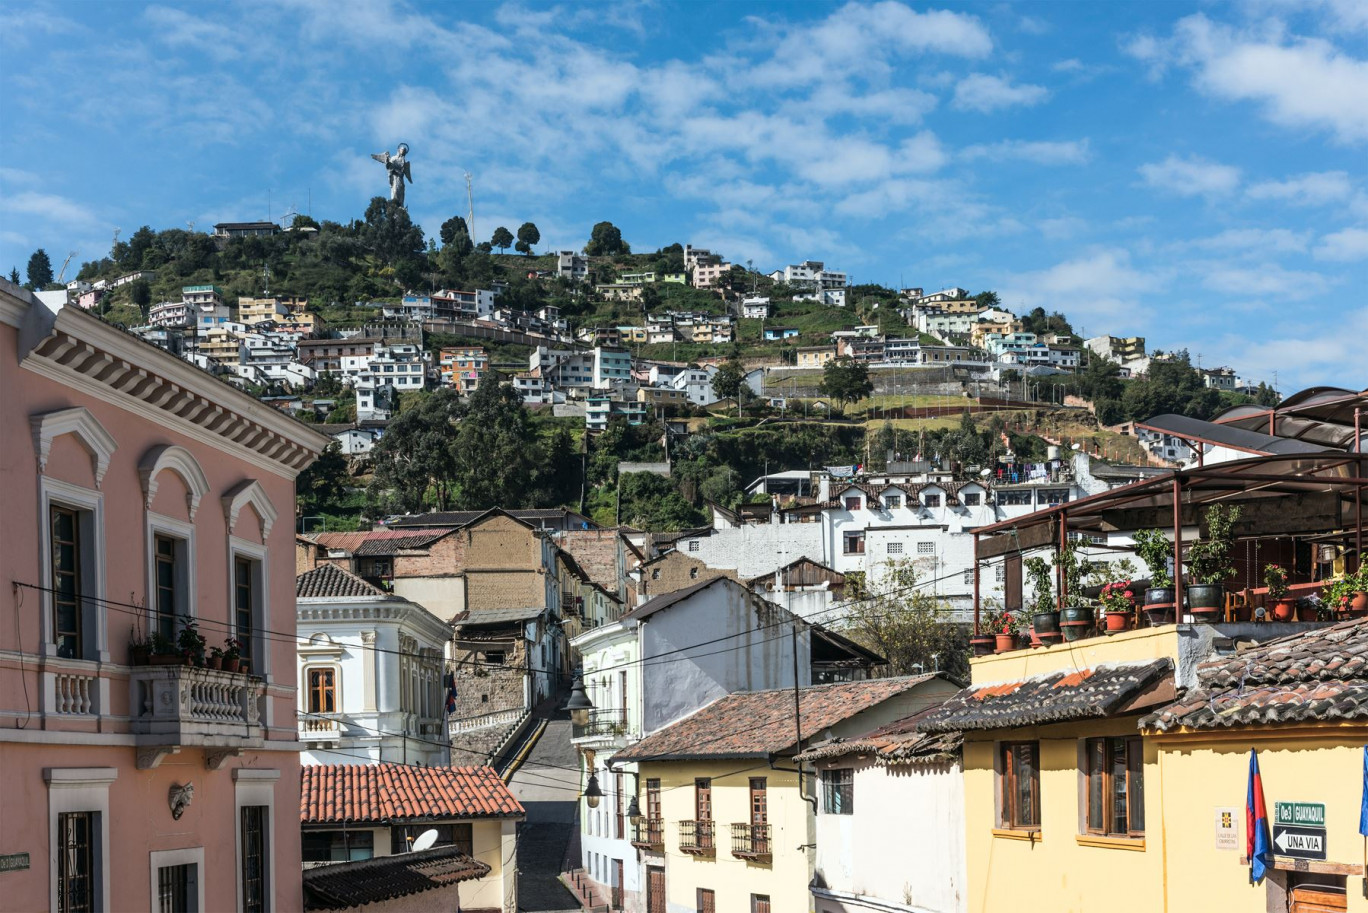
(592, 792)
(579, 704)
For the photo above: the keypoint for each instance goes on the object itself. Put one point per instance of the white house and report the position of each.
(355, 441)
(755, 308)
(370, 672)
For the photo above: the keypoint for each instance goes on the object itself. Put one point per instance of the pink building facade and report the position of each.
(139, 493)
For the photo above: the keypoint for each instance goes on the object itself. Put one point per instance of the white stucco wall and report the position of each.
(912, 860)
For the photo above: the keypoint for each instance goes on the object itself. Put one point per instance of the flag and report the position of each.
(1363, 803)
(451, 693)
(1258, 847)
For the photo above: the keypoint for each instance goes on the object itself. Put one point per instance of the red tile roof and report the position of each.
(397, 792)
(752, 724)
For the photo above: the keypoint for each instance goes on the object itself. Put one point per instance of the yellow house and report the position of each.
(1110, 773)
(728, 818)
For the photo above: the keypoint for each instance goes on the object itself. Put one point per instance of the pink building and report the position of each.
(137, 493)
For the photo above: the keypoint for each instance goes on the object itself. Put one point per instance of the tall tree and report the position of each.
(528, 237)
(39, 270)
(495, 458)
(606, 240)
(846, 380)
(456, 237)
(323, 483)
(729, 380)
(908, 626)
(987, 299)
(14, 275)
(502, 238)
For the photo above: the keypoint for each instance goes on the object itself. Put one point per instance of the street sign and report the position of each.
(1299, 829)
(14, 862)
(1228, 828)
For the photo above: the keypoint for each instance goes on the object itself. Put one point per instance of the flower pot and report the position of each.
(1075, 622)
(231, 665)
(214, 662)
(1283, 609)
(1206, 601)
(1158, 605)
(1308, 612)
(1118, 622)
(165, 659)
(1358, 605)
(1004, 643)
(982, 644)
(139, 655)
(1045, 623)
(244, 667)
(1051, 637)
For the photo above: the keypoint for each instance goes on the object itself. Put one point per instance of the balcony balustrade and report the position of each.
(752, 842)
(697, 838)
(602, 724)
(649, 834)
(187, 706)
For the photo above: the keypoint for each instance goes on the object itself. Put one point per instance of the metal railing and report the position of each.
(697, 837)
(751, 841)
(649, 834)
(601, 723)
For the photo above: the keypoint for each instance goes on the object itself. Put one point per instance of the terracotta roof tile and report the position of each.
(398, 792)
(1315, 676)
(391, 541)
(351, 884)
(1050, 698)
(328, 581)
(752, 724)
(899, 742)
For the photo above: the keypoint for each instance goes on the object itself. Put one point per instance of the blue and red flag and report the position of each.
(1258, 846)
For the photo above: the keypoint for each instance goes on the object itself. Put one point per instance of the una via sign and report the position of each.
(1299, 829)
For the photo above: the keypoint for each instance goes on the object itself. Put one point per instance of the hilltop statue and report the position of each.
(398, 167)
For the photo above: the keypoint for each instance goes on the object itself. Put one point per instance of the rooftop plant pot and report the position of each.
(1283, 609)
(1307, 611)
(1118, 622)
(1076, 621)
(1358, 605)
(982, 644)
(1045, 623)
(231, 664)
(1004, 643)
(1158, 605)
(1206, 601)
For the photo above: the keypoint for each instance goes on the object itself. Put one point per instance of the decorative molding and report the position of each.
(179, 797)
(180, 461)
(249, 491)
(214, 757)
(98, 442)
(151, 756)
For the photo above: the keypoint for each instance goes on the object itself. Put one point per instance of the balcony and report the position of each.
(751, 842)
(602, 724)
(320, 727)
(649, 835)
(186, 706)
(697, 838)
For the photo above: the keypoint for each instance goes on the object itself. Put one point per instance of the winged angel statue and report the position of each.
(398, 167)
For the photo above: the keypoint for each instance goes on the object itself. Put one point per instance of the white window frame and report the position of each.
(160, 524)
(93, 553)
(257, 553)
(255, 786)
(80, 789)
(160, 859)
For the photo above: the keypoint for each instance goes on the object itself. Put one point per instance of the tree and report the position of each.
(729, 380)
(14, 274)
(502, 238)
(846, 380)
(392, 235)
(908, 626)
(987, 299)
(39, 270)
(606, 240)
(323, 483)
(529, 236)
(523, 247)
(303, 221)
(495, 458)
(141, 293)
(456, 236)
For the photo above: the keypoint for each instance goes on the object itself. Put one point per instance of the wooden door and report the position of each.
(1317, 899)
(617, 884)
(655, 889)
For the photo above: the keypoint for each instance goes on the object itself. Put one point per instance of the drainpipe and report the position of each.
(976, 585)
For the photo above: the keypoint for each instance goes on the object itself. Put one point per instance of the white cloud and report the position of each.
(1344, 246)
(1314, 189)
(1098, 288)
(1271, 240)
(1190, 177)
(1070, 152)
(984, 93)
(1308, 354)
(1069, 65)
(1264, 280)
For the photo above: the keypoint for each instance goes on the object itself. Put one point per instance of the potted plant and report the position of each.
(190, 643)
(163, 651)
(1275, 578)
(215, 658)
(1044, 614)
(232, 655)
(139, 649)
(1209, 563)
(1077, 618)
(1118, 605)
(1006, 628)
(1345, 595)
(1154, 548)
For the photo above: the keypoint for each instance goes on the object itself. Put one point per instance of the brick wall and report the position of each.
(675, 571)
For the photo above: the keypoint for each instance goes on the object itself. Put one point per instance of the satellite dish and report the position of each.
(425, 840)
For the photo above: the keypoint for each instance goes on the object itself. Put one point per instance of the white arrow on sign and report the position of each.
(1306, 842)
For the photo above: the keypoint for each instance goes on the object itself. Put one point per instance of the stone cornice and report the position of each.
(391, 610)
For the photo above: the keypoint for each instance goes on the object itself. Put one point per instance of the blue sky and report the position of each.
(1194, 173)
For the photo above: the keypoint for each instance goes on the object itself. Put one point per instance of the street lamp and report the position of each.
(592, 792)
(634, 807)
(579, 704)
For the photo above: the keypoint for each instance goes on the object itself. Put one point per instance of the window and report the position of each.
(176, 888)
(66, 581)
(972, 499)
(838, 791)
(1054, 495)
(707, 901)
(760, 903)
(895, 548)
(926, 548)
(168, 585)
(693, 545)
(1019, 775)
(76, 862)
(693, 573)
(246, 590)
(931, 500)
(1116, 786)
(337, 846)
(322, 691)
(254, 828)
(653, 799)
(1000, 573)
(494, 658)
(703, 799)
(892, 502)
(620, 826)
(759, 804)
(1009, 498)
(854, 543)
(852, 503)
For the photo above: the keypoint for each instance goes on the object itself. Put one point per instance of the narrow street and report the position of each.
(547, 785)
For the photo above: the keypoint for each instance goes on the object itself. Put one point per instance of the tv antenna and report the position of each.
(470, 202)
(116, 237)
(190, 223)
